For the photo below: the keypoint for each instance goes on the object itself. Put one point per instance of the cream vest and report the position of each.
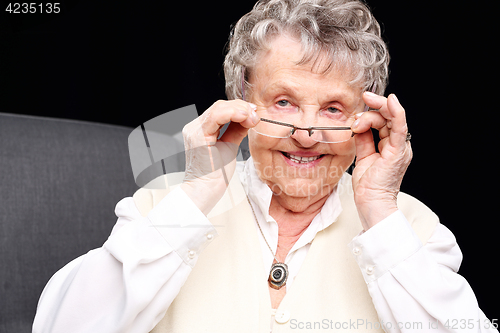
(227, 290)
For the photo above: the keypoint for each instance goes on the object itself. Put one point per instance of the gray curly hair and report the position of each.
(344, 30)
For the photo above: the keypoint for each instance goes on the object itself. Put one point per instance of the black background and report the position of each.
(126, 62)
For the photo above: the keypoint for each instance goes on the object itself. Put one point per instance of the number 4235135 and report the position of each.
(33, 7)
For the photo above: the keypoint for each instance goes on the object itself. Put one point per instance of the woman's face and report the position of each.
(277, 80)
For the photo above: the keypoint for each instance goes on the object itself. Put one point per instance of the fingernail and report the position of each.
(355, 124)
(395, 98)
(253, 106)
(369, 93)
(358, 115)
(254, 117)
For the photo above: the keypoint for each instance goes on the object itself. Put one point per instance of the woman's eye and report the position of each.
(283, 103)
(333, 110)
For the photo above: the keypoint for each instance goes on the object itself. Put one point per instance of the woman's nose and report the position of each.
(303, 138)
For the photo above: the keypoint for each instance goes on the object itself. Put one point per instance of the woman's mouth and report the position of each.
(302, 160)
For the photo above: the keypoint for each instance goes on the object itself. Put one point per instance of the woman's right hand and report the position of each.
(210, 163)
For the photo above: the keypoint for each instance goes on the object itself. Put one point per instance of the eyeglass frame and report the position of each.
(309, 129)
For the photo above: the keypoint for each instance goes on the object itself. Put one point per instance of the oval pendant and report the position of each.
(278, 275)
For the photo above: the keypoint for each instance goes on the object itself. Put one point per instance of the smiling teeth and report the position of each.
(302, 159)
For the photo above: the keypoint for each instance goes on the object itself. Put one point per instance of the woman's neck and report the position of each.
(293, 216)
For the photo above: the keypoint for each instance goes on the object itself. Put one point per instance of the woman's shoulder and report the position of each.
(153, 192)
(422, 219)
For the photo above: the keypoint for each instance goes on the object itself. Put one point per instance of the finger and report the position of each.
(369, 119)
(392, 110)
(399, 128)
(378, 102)
(222, 112)
(234, 133)
(374, 101)
(365, 146)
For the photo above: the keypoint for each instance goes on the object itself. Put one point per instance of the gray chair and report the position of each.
(60, 182)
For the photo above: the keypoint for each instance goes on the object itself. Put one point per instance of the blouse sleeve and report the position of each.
(416, 287)
(128, 284)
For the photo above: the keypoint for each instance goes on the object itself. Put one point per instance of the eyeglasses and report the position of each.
(281, 130)
(279, 121)
(278, 129)
(336, 133)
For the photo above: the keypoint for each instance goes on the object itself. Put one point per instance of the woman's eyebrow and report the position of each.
(338, 95)
(281, 86)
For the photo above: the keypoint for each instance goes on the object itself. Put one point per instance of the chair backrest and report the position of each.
(60, 181)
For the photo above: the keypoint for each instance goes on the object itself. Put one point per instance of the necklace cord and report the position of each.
(258, 224)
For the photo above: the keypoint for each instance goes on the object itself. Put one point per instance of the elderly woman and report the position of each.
(286, 240)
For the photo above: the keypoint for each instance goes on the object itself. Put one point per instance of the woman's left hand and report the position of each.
(377, 177)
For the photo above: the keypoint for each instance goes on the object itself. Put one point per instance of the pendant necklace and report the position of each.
(279, 270)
